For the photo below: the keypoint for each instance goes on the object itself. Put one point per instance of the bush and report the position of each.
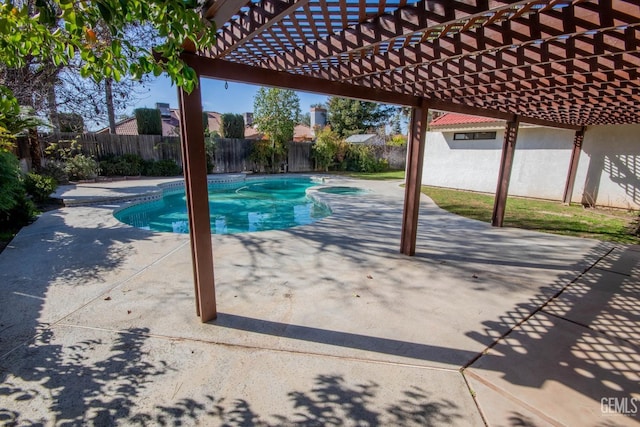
(125, 165)
(262, 153)
(15, 209)
(210, 147)
(397, 141)
(55, 169)
(327, 148)
(10, 181)
(39, 187)
(161, 168)
(81, 167)
(360, 158)
(232, 125)
(149, 121)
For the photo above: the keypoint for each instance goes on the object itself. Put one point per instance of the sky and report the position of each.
(237, 98)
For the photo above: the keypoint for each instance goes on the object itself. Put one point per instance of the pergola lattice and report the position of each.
(562, 63)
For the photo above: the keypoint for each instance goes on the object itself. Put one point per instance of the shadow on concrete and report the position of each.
(343, 339)
(72, 389)
(330, 402)
(585, 337)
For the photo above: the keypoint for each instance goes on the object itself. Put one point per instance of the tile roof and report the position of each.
(449, 119)
(171, 127)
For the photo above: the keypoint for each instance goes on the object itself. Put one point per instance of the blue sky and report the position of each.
(237, 98)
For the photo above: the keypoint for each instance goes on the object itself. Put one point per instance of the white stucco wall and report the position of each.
(609, 166)
(473, 165)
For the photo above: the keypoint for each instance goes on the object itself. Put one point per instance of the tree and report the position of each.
(232, 125)
(351, 116)
(71, 122)
(305, 119)
(26, 37)
(101, 101)
(275, 113)
(149, 121)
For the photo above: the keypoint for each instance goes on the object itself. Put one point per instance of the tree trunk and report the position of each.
(34, 150)
(110, 110)
(53, 109)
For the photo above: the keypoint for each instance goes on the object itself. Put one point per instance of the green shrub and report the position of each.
(261, 155)
(161, 168)
(149, 121)
(16, 209)
(232, 125)
(55, 169)
(39, 187)
(327, 149)
(10, 181)
(125, 165)
(81, 167)
(397, 141)
(360, 158)
(210, 147)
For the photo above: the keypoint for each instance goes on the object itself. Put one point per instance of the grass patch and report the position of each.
(378, 176)
(610, 225)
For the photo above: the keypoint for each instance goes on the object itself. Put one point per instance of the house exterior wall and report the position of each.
(608, 170)
(609, 167)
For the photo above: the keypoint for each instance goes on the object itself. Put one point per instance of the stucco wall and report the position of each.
(609, 167)
(608, 170)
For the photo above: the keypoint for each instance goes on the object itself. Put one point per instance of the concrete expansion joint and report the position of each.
(537, 310)
(474, 397)
(509, 397)
(246, 347)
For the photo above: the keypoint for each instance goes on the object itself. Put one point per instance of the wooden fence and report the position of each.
(149, 147)
(231, 155)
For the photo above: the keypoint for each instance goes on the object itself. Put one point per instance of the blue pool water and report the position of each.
(252, 205)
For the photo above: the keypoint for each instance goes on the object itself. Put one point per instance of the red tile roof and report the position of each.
(170, 125)
(449, 119)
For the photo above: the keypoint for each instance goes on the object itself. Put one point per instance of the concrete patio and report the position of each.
(325, 324)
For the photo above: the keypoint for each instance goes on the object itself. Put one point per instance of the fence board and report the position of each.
(231, 155)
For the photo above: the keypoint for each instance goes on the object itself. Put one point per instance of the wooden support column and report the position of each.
(573, 166)
(504, 176)
(413, 178)
(195, 177)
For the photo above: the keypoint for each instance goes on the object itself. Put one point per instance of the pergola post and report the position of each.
(413, 178)
(573, 166)
(195, 178)
(504, 175)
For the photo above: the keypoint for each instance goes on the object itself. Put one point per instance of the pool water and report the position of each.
(252, 205)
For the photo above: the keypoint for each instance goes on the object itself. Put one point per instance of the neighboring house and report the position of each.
(171, 125)
(301, 133)
(365, 138)
(464, 152)
(170, 122)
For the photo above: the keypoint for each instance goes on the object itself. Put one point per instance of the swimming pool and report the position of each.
(236, 207)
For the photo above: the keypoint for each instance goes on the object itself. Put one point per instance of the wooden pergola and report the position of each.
(559, 63)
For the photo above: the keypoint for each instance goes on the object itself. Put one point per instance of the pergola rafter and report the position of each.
(454, 51)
